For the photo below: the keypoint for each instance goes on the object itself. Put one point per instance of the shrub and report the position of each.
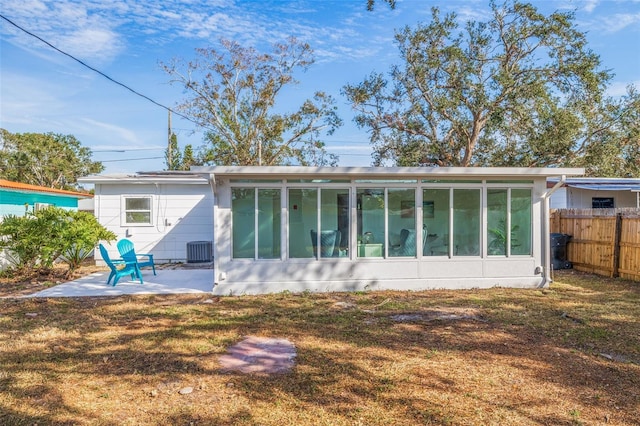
(37, 240)
(82, 234)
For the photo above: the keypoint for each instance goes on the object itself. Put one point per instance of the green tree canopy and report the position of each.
(371, 4)
(50, 159)
(232, 94)
(172, 155)
(519, 89)
(179, 160)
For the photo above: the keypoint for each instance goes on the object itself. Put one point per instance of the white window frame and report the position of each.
(123, 210)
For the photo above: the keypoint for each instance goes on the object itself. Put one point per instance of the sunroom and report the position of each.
(344, 229)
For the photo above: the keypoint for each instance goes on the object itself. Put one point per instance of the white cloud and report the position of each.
(619, 21)
(590, 5)
(91, 42)
(26, 7)
(116, 133)
(99, 31)
(619, 88)
(73, 27)
(479, 13)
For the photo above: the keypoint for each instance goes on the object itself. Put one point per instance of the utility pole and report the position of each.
(169, 159)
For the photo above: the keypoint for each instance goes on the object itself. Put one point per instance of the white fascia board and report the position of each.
(136, 179)
(385, 172)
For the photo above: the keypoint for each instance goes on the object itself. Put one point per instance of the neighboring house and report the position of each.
(594, 193)
(381, 228)
(86, 205)
(19, 198)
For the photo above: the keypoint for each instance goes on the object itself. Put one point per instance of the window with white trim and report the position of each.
(137, 210)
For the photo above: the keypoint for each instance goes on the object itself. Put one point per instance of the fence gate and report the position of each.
(604, 241)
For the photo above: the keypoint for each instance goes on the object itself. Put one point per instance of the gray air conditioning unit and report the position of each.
(199, 251)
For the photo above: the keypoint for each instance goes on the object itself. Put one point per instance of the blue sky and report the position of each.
(42, 90)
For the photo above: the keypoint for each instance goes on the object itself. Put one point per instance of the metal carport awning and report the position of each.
(606, 187)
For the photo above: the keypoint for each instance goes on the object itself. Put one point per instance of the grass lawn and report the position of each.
(568, 355)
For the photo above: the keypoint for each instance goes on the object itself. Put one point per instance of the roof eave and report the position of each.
(200, 175)
(181, 179)
(387, 172)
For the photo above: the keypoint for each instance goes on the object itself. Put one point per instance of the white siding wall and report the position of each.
(180, 214)
(581, 198)
(558, 199)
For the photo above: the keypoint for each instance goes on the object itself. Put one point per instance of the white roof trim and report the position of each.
(201, 175)
(387, 172)
(182, 179)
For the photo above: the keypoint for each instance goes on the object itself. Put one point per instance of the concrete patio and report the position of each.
(167, 281)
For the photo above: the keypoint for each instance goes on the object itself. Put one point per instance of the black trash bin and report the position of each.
(559, 251)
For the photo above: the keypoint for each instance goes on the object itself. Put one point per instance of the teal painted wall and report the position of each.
(12, 202)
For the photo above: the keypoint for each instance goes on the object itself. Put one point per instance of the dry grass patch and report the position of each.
(568, 355)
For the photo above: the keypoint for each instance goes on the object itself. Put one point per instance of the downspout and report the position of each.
(97, 192)
(212, 185)
(546, 273)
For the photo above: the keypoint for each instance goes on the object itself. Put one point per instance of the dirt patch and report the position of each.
(439, 314)
(16, 286)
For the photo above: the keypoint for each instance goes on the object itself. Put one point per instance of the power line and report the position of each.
(127, 149)
(346, 143)
(94, 69)
(130, 159)
(136, 93)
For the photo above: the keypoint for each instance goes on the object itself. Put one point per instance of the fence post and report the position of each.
(616, 246)
(554, 218)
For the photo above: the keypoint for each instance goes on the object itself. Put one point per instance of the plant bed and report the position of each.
(25, 284)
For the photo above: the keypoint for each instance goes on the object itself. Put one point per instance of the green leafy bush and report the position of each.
(82, 234)
(37, 240)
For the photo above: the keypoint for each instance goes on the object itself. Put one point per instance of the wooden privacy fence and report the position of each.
(604, 241)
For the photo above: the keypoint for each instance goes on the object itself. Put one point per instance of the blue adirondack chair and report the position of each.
(128, 253)
(128, 268)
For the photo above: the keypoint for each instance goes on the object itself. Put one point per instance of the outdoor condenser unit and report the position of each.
(199, 251)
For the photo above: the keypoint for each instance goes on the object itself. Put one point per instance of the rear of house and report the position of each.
(161, 213)
(339, 229)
